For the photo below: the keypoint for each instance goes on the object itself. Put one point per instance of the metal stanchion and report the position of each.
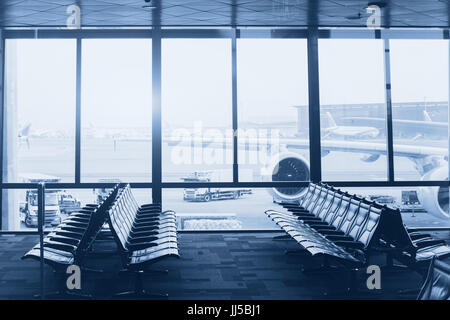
(41, 219)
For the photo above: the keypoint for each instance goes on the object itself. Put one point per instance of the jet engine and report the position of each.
(293, 167)
(288, 167)
(435, 199)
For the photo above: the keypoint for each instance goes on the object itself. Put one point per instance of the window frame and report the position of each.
(157, 33)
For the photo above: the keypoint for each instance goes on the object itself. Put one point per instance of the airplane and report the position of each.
(331, 129)
(24, 134)
(287, 164)
(413, 128)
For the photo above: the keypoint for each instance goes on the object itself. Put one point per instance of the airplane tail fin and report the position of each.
(328, 122)
(25, 131)
(426, 116)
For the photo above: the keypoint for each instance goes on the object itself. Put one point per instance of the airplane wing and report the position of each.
(372, 150)
(410, 151)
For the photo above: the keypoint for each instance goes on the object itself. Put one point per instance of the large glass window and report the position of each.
(200, 209)
(419, 206)
(39, 124)
(196, 110)
(116, 110)
(351, 91)
(273, 108)
(419, 73)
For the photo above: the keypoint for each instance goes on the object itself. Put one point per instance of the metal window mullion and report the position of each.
(41, 219)
(2, 111)
(389, 128)
(314, 106)
(234, 106)
(446, 36)
(78, 112)
(156, 107)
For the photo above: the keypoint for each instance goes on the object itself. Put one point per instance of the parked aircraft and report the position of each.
(288, 165)
(408, 128)
(331, 129)
(24, 134)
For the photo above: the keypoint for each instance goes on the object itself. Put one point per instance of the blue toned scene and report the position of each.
(217, 150)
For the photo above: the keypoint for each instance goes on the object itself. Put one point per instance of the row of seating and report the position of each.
(69, 242)
(437, 283)
(331, 223)
(144, 235)
(334, 223)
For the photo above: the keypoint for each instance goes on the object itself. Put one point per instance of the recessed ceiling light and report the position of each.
(149, 5)
(380, 4)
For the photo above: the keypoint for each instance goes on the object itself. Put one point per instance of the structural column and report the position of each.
(156, 108)
(314, 105)
(389, 132)
(234, 105)
(2, 63)
(78, 114)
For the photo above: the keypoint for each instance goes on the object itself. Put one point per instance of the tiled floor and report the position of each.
(212, 266)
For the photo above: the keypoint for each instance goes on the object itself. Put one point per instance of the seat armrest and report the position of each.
(350, 244)
(73, 229)
(65, 240)
(298, 212)
(331, 232)
(312, 219)
(153, 210)
(70, 234)
(75, 224)
(148, 215)
(147, 205)
(143, 233)
(335, 237)
(140, 246)
(148, 238)
(420, 236)
(428, 243)
(144, 226)
(319, 224)
(60, 246)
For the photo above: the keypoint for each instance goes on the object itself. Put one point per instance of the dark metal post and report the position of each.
(78, 114)
(389, 129)
(41, 219)
(2, 111)
(156, 108)
(234, 105)
(314, 105)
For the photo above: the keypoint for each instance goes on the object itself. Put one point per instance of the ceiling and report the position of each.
(326, 13)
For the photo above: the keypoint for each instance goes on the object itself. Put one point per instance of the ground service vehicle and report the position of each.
(29, 208)
(102, 193)
(67, 203)
(209, 194)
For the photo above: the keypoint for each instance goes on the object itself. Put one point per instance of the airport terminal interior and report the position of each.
(224, 149)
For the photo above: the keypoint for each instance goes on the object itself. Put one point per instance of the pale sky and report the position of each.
(196, 79)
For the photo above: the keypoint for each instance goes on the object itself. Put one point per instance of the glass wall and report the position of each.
(352, 90)
(39, 123)
(419, 206)
(196, 110)
(116, 109)
(272, 93)
(419, 73)
(200, 209)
